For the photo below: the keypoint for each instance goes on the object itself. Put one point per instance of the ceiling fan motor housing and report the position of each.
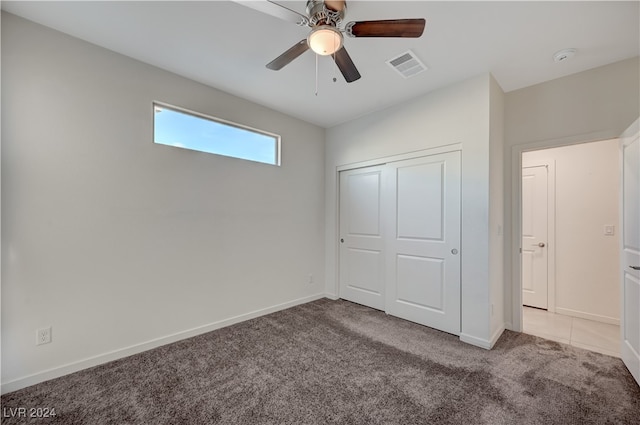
(320, 14)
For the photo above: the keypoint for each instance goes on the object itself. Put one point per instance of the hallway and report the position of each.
(588, 334)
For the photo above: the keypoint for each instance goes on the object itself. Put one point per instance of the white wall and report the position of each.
(597, 104)
(587, 277)
(455, 114)
(117, 242)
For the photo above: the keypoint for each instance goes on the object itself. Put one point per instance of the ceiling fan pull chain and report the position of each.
(316, 75)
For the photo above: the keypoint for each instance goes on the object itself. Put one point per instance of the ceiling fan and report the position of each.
(324, 17)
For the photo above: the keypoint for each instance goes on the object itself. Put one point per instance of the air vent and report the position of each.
(407, 64)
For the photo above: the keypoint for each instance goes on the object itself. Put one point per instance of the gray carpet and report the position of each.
(337, 362)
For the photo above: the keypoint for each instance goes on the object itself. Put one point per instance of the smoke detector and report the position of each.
(564, 55)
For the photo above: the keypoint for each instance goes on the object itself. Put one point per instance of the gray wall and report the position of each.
(120, 244)
(600, 99)
(496, 209)
(597, 104)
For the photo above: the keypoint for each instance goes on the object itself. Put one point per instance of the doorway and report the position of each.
(570, 245)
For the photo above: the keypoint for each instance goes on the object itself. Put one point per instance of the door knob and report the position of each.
(541, 244)
(341, 240)
(635, 267)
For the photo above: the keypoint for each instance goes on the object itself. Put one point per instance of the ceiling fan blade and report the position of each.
(277, 10)
(288, 56)
(408, 28)
(346, 65)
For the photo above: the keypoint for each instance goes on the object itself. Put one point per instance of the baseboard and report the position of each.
(483, 343)
(59, 371)
(478, 342)
(497, 334)
(333, 297)
(588, 316)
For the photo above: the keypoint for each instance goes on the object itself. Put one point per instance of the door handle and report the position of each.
(635, 267)
(541, 244)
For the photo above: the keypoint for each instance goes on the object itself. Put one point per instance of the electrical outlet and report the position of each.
(310, 279)
(43, 336)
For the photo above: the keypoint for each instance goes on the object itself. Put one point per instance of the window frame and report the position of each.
(277, 138)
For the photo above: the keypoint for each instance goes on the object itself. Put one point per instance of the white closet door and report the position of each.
(361, 237)
(423, 241)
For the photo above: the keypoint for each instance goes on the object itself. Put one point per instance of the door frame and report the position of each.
(516, 211)
(369, 163)
(551, 225)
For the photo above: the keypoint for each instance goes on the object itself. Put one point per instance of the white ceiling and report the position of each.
(226, 45)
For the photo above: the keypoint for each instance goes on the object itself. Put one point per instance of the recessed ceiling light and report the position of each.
(564, 54)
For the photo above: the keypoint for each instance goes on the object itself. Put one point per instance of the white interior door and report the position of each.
(630, 257)
(534, 236)
(361, 237)
(423, 259)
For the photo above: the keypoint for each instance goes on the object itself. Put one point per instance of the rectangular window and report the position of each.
(185, 129)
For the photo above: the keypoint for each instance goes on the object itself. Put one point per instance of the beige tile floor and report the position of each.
(595, 336)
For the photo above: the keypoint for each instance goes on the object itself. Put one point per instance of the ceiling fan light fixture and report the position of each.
(325, 40)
